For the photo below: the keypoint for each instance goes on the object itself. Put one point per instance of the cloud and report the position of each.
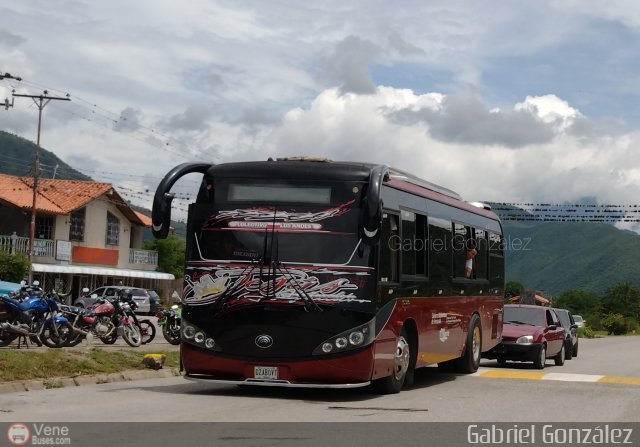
(10, 40)
(552, 163)
(404, 48)
(194, 118)
(128, 121)
(348, 65)
(464, 118)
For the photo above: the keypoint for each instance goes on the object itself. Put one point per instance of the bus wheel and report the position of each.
(393, 384)
(470, 361)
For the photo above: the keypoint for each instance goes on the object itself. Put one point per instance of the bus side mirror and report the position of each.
(372, 218)
(161, 211)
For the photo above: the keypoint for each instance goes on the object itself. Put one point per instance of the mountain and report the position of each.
(547, 256)
(17, 157)
(556, 256)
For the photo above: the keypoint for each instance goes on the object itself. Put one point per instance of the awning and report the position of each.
(105, 271)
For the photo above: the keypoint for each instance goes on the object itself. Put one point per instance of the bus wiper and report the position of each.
(309, 303)
(230, 290)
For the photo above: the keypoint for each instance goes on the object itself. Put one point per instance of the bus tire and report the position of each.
(393, 384)
(470, 360)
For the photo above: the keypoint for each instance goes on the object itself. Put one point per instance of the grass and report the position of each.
(55, 363)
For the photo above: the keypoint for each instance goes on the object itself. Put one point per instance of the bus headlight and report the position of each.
(193, 335)
(357, 337)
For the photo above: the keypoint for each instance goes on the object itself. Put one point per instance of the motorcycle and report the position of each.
(169, 320)
(30, 314)
(127, 321)
(97, 321)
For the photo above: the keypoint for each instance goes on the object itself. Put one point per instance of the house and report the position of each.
(86, 235)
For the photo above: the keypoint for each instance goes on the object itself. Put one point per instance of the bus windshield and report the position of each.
(300, 234)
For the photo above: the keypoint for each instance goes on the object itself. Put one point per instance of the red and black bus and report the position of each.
(314, 273)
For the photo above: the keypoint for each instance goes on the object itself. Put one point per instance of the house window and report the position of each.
(44, 227)
(76, 228)
(113, 230)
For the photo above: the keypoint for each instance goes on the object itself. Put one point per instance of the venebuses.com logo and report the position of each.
(18, 434)
(38, 434)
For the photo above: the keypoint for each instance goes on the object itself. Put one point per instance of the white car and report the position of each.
(579, 321)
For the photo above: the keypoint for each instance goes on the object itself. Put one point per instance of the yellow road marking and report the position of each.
(500, 374)
(620, 379)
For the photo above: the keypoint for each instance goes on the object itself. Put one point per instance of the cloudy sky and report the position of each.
(531, 101)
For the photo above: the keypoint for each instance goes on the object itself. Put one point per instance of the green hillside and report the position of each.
(17, 157)
(556, 256)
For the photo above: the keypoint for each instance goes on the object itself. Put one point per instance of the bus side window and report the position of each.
(440, 248)
(390, 248)
(482, 245)
(414, 243)
(461, 236)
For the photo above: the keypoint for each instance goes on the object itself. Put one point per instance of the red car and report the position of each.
(530, 334)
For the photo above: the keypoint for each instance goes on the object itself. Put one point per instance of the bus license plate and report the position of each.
(265, 372)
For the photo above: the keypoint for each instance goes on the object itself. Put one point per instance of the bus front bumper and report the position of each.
(347, 371)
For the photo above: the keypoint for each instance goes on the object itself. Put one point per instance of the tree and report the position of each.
(579, 302)
(171, 253)
(13, 267)
(512, 288)
(623, 299)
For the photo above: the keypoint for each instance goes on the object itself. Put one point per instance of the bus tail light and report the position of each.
(355, 338)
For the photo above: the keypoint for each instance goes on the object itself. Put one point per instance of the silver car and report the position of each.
(147, 300)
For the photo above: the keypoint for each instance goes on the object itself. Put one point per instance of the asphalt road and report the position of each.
(440, 409)
(435, 397)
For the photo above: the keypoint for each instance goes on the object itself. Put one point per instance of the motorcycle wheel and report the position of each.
(75, 340)
(148, 331)
(171, 335)
(59, 337)
(131, 335)
(35, 340)
(6, 337)
(111, 338)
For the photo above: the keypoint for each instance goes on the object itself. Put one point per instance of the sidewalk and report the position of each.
(79, 380)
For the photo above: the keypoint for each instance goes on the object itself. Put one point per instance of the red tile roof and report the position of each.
(60, 196)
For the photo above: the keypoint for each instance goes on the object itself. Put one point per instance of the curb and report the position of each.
(95, 379)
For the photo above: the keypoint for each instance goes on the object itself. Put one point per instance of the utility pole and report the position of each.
(6, 104)
(41, 102)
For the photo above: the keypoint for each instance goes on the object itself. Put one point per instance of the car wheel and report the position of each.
(541, 358)
(568, 350)
(560, 356)
(574, 352)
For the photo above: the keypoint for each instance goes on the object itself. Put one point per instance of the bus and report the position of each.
(306, 272)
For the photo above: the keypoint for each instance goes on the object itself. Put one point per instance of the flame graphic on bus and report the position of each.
(287, 286)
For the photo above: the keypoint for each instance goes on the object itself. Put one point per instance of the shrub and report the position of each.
(586, 332)
(615, 324)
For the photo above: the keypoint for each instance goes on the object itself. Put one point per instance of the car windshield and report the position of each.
(564, 318)
(138, 292)
(524, 315)
(153, 294)
(577, 318)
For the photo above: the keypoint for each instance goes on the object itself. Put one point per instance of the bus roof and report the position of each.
(326, 169)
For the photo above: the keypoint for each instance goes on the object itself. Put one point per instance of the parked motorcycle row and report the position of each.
(31, 314)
